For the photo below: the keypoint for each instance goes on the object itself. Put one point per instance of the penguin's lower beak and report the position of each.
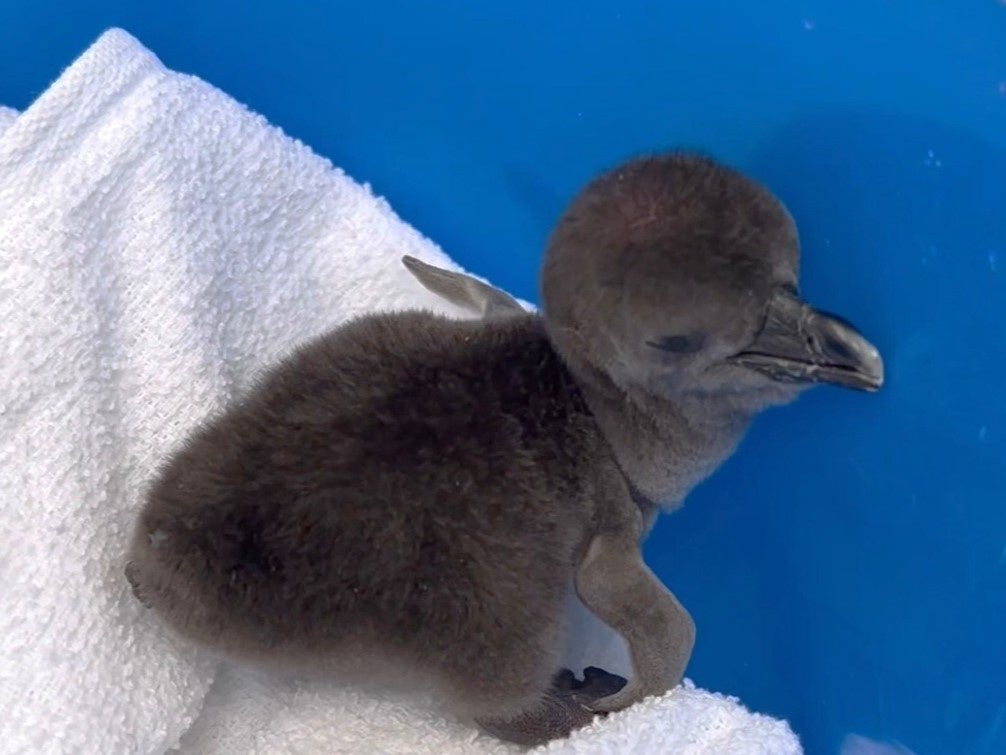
(800, 344)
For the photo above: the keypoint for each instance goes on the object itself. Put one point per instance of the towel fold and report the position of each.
(7, 117)
(159, 245)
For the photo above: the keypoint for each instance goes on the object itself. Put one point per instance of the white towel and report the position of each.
(159, 244)
(7, 116)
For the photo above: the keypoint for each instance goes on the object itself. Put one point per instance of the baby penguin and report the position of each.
(426, 492)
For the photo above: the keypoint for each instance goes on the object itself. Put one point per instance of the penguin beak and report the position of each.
(800, 344)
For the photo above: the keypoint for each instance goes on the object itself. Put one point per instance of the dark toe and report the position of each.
(565, 681)
(597, 683)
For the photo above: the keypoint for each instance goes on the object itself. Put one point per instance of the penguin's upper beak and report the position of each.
(800, 344)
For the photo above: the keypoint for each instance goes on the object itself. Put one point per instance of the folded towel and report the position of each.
(7, 117)
(159, 244)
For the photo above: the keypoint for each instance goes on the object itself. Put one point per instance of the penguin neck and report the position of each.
(664, 447)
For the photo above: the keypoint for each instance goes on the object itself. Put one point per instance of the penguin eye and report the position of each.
(678, 344)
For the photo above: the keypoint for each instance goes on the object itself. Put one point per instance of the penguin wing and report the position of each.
(463, 290)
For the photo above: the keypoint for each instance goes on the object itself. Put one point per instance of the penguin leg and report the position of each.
(564, 708)
(615, 583)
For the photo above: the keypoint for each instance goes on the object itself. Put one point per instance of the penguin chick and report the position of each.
(427, 491)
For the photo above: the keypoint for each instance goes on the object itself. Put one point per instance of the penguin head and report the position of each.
(679, 276)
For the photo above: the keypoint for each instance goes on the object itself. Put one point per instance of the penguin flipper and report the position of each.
(463, 290)
(613, 582)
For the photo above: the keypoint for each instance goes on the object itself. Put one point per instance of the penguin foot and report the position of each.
(563, 709)
(597, 683)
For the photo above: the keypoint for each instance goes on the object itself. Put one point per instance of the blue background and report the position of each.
(847, 568)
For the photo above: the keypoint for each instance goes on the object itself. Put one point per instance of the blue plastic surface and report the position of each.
(847, 568)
